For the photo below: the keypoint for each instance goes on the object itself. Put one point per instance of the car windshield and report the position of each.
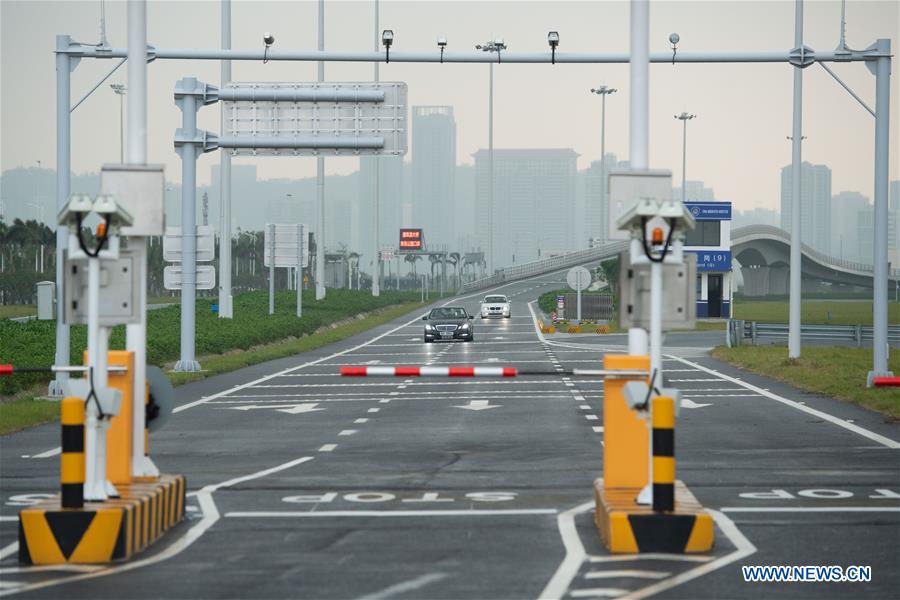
(491, 299)
(448, 313)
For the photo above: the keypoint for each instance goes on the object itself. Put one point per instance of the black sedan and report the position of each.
(449, 323)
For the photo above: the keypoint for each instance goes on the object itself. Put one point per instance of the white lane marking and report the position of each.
(404, 586)
(812, 411)
(9, 549)
(511, 512)
(584, 406)
(361, 421)
(210, 517)
(479, 405)
(212, 488)
(743, 548)
(688, 403)
(575, 554)
(812, 509)
(591, 417)
(348, 432)
(373, 410)
(649, 556)
(9, 518)
(384, 401)
(42, 568)
(48, 453)
(636, 573)
(328, 448)
(288, 370)
(597, 593)
(598, 428)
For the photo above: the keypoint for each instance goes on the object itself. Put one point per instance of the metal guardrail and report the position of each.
(547, 265)
(753, 330)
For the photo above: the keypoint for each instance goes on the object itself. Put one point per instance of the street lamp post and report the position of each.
(120, 90)
(495, 45)
(603, 91)
(684, 118)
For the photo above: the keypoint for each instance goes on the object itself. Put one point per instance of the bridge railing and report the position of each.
(821, 257)
(546, 265)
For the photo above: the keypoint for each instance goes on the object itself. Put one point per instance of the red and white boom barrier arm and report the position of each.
(411, 371)
(428, 371)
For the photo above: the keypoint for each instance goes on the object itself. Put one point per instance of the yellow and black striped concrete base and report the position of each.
(101, 532)
(626, 527)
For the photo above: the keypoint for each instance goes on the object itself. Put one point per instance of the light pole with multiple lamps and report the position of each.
(120, 90)
(603, 91)
(497, 46)
(684, 118)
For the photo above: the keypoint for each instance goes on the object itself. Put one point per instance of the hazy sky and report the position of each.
(736, 145)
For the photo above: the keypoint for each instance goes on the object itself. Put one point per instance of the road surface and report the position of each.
(305, 485)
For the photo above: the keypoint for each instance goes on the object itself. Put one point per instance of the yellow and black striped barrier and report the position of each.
(663, 454)
(676, 522)
(72, 463)
(101, 532)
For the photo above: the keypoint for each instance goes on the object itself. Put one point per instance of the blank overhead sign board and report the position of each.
(374, 114)
(291, 244)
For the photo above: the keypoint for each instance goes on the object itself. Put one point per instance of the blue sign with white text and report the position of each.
(713, 260)
(709, 211)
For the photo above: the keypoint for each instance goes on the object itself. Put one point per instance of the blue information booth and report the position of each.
(711, 242)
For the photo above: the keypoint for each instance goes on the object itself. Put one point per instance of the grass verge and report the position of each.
(216, 364)
(26, 410)
(13, 311)
(830, 371)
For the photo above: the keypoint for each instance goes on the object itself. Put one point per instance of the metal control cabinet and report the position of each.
(679, 294)
(119, 285)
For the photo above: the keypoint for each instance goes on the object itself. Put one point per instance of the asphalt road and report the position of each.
(304, 485)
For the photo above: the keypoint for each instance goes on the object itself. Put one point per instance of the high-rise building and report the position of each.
(390, 204)
(815, 204)
(596, 209)
(534, 204)
(696, 191)
(755, 216)
(845, 240)
(434, 174)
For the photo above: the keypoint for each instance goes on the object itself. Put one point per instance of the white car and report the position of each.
(495, 306)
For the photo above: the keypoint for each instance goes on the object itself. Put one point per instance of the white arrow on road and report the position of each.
(688, 403)
(479, 405)
(292, 409)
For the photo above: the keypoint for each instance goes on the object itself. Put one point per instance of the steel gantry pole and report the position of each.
(63, 165)
(136, 333)
(684, 118)
(882, 71)
(491, 168)
(119, 89)
(638, 116)
(376, 270)
(225, 305)
(186, 95)
(320, 178)
(796, 191)
(603, 91)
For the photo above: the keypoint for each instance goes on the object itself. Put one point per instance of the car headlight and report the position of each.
(428, 327)
(465, 326)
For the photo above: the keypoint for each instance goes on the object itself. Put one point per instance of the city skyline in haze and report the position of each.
(737, 144)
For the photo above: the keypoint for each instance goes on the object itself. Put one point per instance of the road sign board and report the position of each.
(206, 244)
(337, 111)
(578, 278)
(387, 254)
(411, 239)
(206, 277)
(290, 238)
